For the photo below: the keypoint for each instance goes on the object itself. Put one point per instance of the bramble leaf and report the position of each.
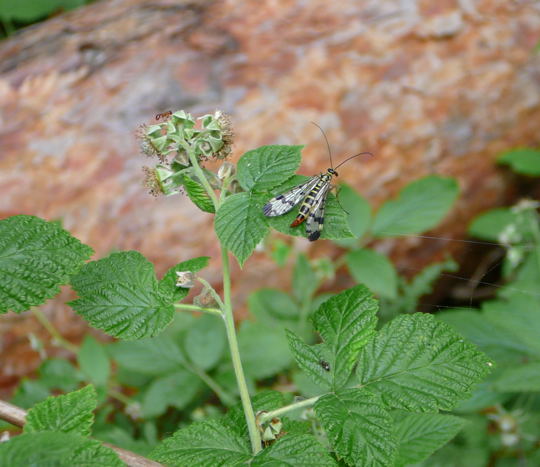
(69, 413)
(240, 224)
(420, 206)
(346, 322)
(120, 295)
(58, 450)
(206, 444)
(265, 167)
(36, 258)
(198, 195)
(421, 434)
(525, 161)
(374, 270)
(416, 363)
(297, 450)
(358, 427)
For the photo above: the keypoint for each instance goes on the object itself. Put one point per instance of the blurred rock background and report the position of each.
(429, 87)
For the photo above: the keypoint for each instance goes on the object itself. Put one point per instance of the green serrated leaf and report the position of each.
(522, 378)
(374, 270)
(240, 224)
(167, 285)
(177, 389)
(419, 364)
(346, 322)
(263, 349)
(420, 206)
(304, 279)
(294, 450)
(205, 444)
(491, 224)
(336, 225)
(265, 167)
(158, 356)
(524, 161)
(358, 208)
(198, 195)
(94, 362)
(58, 450)
(420, 435)
(36, 258)
(358, 427)
(205, 341)
(70, 413)
(120, 295)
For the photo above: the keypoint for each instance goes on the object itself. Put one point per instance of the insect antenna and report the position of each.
(352, 157)
(327, 144)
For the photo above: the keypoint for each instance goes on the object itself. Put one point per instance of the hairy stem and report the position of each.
(254, 434)
(228, 317)
(186, 306)
(200, 174)
(288, 408)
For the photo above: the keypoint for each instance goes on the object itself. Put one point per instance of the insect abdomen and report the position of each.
(307, 204)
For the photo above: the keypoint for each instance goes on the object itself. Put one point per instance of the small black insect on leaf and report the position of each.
(325, 365)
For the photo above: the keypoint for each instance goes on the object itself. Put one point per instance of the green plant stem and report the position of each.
(185, 306)
(288, 408)
(228, 317)
(200, 174)
(212, 291)
(254, 434)
(40, 316)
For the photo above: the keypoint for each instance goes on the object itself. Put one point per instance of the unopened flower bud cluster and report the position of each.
(207, 137)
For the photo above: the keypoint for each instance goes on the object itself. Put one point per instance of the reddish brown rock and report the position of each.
(429, 87)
